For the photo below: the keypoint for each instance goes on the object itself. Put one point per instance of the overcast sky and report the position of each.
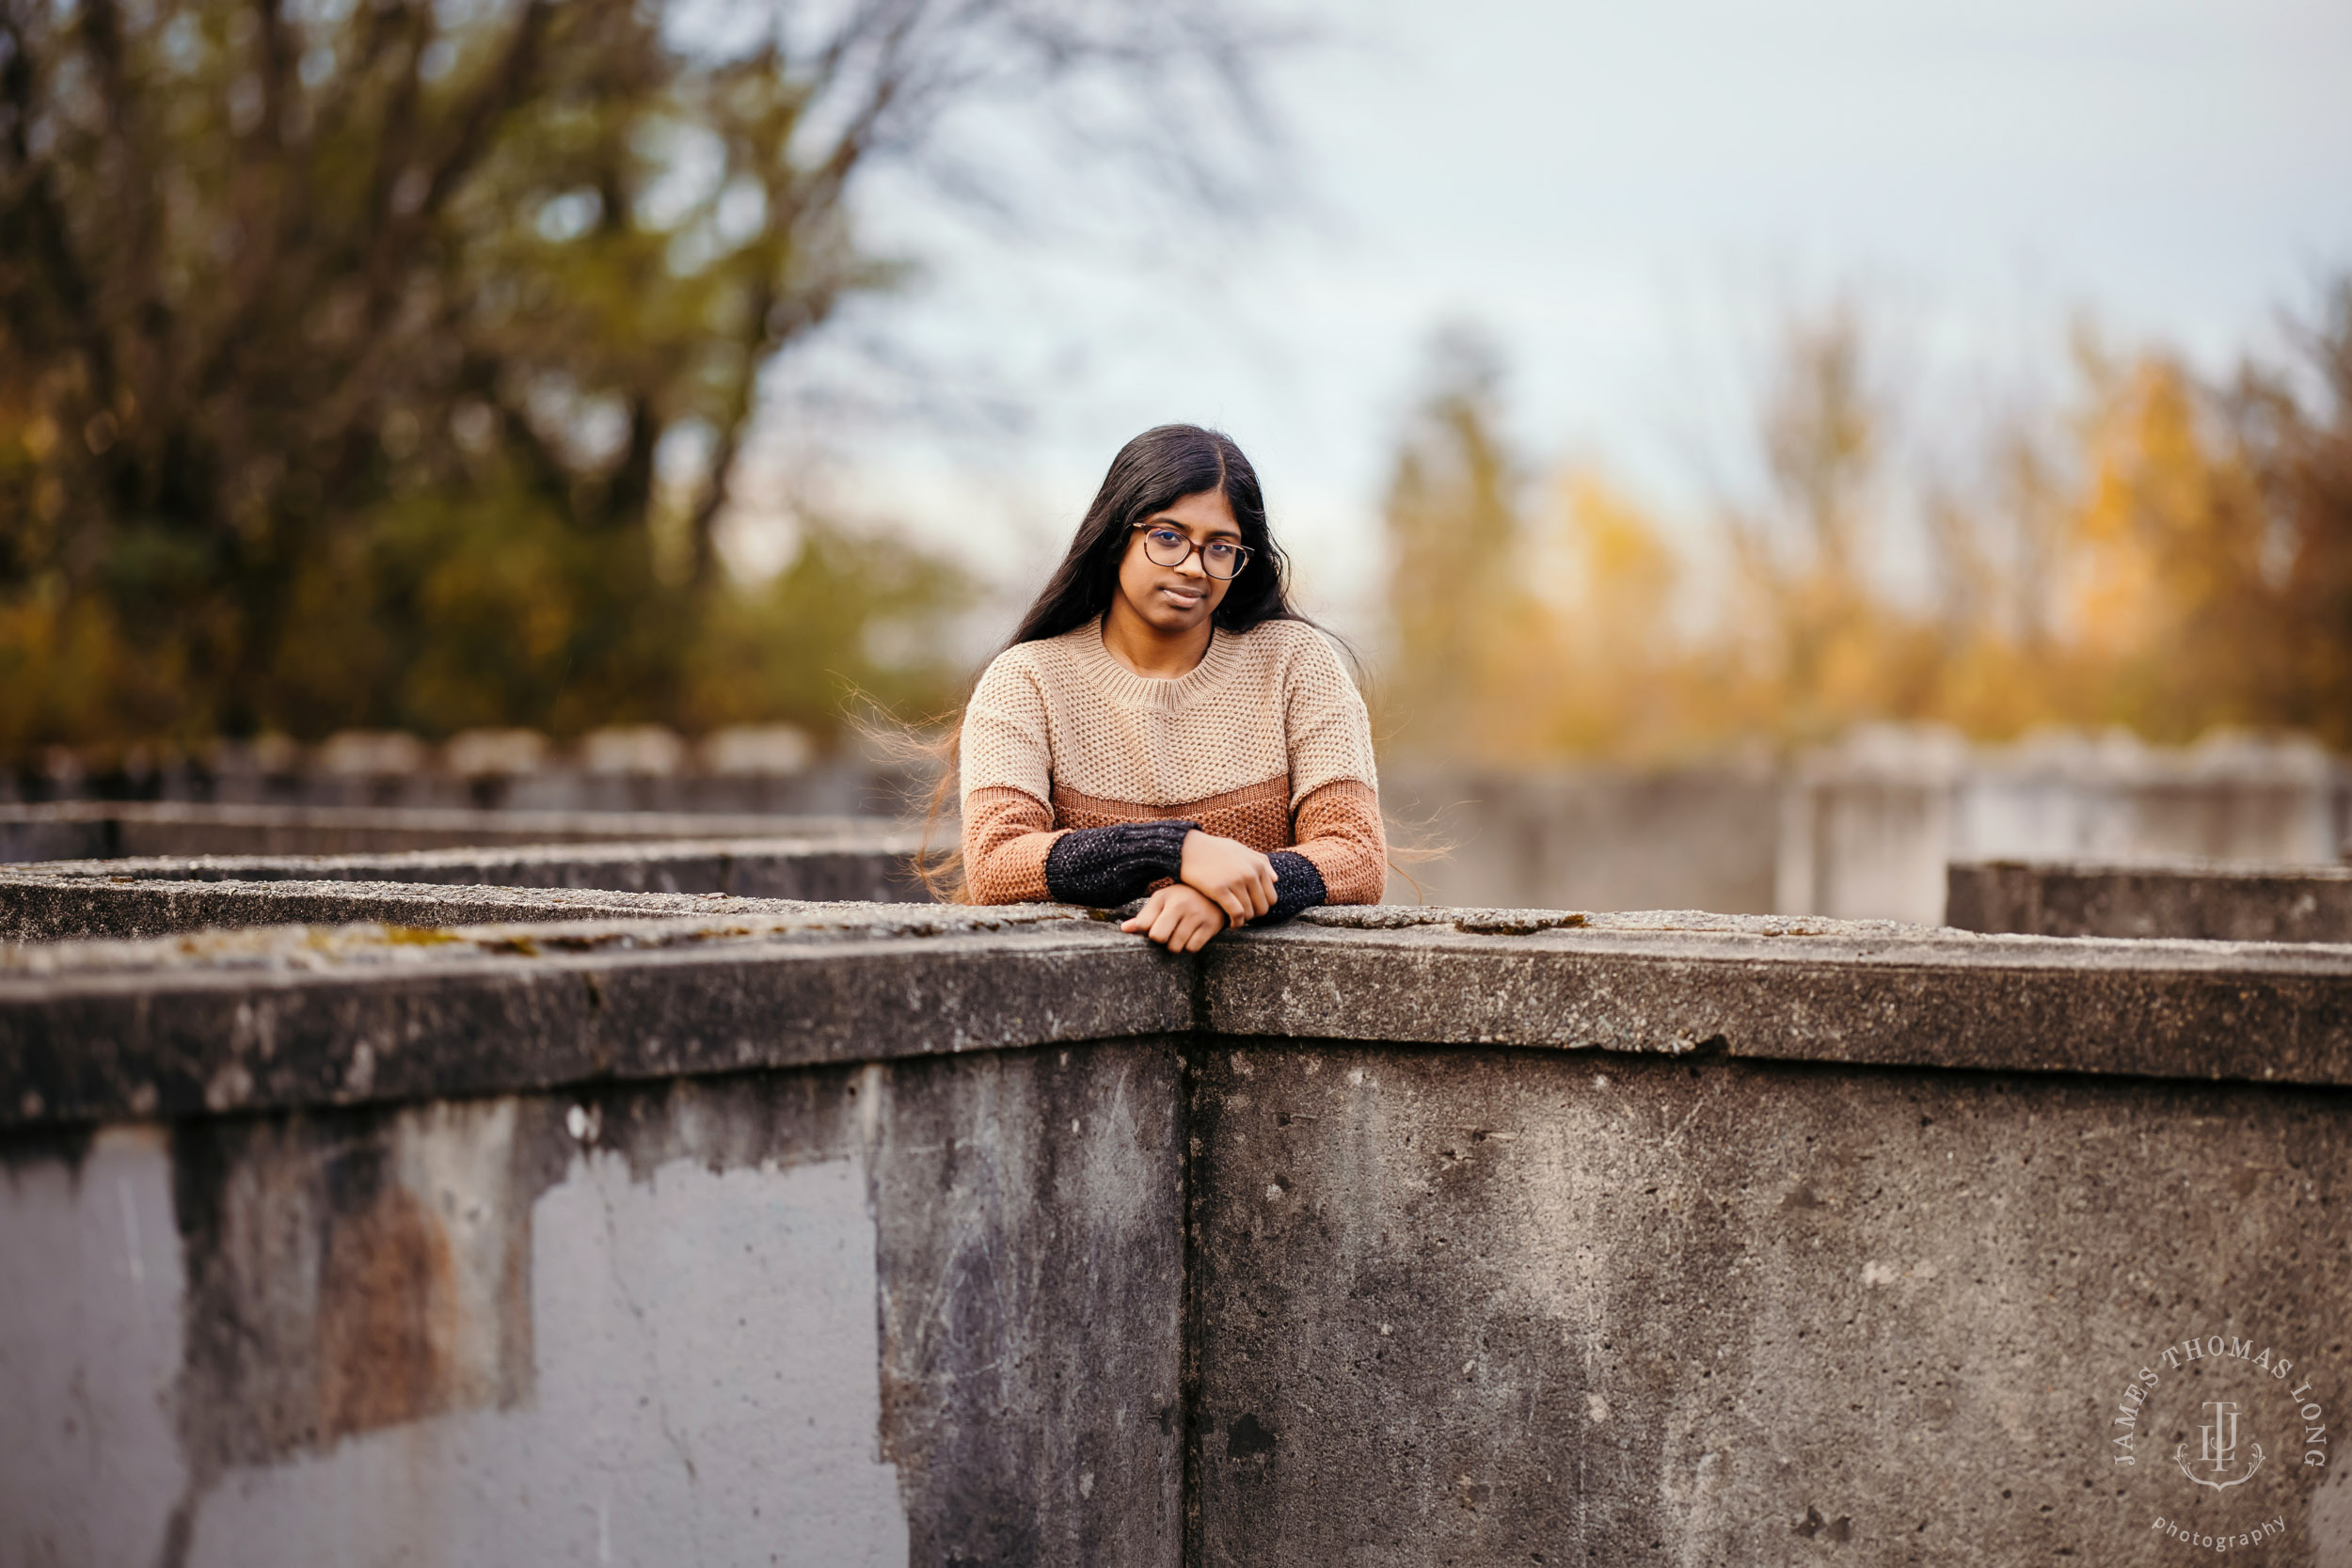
(1625, 195)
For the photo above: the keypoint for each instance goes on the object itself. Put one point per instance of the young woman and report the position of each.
(1163, 722)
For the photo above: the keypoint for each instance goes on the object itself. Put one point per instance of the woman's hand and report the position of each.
(1178, 918)
(1232, 875)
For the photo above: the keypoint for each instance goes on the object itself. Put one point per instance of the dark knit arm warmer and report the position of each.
(1297, 885)
(1107, 866)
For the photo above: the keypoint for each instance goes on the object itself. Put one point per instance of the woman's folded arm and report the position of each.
(1006, 835)
(1341, 854)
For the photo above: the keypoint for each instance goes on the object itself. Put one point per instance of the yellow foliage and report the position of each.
(2177, 558)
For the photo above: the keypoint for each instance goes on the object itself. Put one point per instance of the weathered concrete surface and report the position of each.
(1683, 982)
(293, 1017)
(117, 898)
(274, 1018)
(1461, 1235)
(2221, 903)
(106, 830)
(36, 907)
(1507, 1307)
(924, 1312)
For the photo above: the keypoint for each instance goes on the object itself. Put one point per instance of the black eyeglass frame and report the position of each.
(1241, 552)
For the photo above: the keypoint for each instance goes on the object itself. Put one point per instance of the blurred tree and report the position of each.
(385, 361)
(2174, 558)
(1455, 540)
(2300, 461)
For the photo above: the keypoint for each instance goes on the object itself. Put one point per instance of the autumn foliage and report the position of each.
(2169, 555)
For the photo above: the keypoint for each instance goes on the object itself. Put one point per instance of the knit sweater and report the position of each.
(1081, 778)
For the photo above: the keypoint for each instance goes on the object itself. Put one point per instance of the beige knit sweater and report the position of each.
(1264, 740)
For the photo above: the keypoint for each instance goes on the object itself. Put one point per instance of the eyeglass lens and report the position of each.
(1218, 558)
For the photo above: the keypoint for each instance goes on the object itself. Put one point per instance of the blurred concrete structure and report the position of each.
(770, 768)
(95, 830)
(36, 907)
(1860, 830)
(1864, 829)
(2214, 903)
(899, 1235)
(128, 898)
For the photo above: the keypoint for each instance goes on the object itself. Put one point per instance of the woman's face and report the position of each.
(1180, 598)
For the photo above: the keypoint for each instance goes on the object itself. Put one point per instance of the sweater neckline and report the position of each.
(1164, 694)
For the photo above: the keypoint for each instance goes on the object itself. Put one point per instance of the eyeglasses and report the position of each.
(1220, 558)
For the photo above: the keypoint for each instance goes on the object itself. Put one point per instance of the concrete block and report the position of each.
(95, 830)
(38, 908)
(2221, 903)
(1511, 1307)
(857, 1233)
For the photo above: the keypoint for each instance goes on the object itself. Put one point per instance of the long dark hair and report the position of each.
(1152, 473)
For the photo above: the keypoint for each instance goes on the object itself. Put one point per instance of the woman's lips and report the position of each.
(1184, 596)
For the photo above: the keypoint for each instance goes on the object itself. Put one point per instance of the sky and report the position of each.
(1625, 199)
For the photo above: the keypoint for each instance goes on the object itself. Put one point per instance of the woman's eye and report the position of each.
(1167, 538)
(1219, 552)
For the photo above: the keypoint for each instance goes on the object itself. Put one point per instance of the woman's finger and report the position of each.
(1171, 916)
(1142, 920)
(1262, 885)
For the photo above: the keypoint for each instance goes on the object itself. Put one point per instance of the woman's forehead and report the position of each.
(1203, 515)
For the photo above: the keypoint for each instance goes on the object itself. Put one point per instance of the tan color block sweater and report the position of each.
(1081, 778)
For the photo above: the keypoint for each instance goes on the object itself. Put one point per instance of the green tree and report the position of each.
(386, 362)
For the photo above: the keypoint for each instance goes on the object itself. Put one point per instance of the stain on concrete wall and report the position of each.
(706, 1390)
(927, 1312)
(351, 1271)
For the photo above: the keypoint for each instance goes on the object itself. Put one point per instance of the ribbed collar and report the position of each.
(1125, 687)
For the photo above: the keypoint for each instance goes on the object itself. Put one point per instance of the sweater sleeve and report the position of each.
(1007, 836)
(1007, 766)
(1328, 731)
(1109, 865)
(1005, 743)
(1337, 832)
(1335, 821)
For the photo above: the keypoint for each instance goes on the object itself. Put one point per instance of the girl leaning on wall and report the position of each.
(1164, 725)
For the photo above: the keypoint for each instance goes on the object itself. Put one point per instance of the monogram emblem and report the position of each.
(2217, 1458)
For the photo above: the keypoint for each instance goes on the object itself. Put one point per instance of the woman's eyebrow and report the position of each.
(1231, 536)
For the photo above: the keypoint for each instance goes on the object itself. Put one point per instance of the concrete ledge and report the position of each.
(41, 900)
(2219, 903)
(90, 830)
(290, 1018)
(287, 1018)
(1799, 988)
(38, 907)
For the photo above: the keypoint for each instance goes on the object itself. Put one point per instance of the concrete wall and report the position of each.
(36, 908)
(2216, 903)
(1862, 829)
(759, 772)
(106, 830)
(861, 1314)
(1870, 824)
(150, 897)
(918, 1235)
(1702, 839)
